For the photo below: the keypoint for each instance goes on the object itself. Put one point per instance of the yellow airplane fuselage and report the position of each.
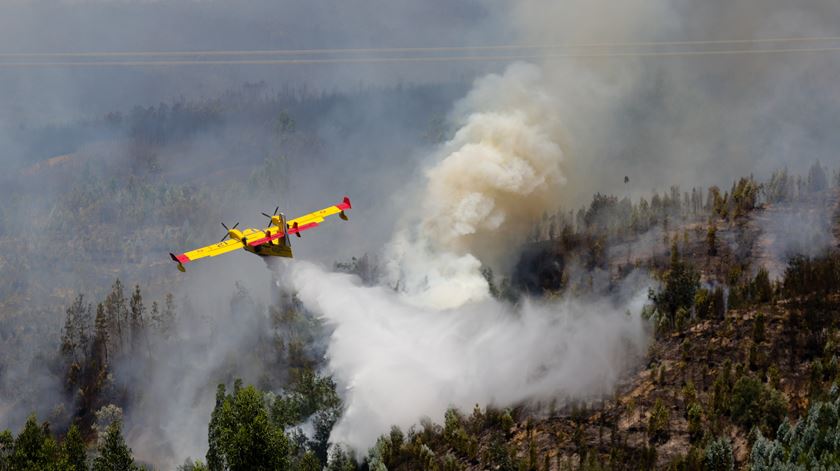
(273, 248)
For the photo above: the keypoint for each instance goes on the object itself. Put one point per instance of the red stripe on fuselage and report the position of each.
(182, 258)
(292, 230)
(265, 240)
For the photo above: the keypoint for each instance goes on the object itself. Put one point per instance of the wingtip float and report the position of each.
(272, 241)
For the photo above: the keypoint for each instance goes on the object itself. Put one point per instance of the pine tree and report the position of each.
(215, 457)
(817, 179)
(711, 239)
(34, 449)
(241, 435)
(117, 314)
(75, 453)
(74, 337)
(114, 454)
(74, 340)
(719, 456)
(137, 310)
(7, 446)
(164, 320)
(100, 336)
(154, 316)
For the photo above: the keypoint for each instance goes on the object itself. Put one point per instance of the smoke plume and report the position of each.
(501, 170)
(498, 174)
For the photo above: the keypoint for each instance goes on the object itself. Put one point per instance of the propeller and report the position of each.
(272, 215)
(228, 229)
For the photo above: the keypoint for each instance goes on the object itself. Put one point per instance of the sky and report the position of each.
(652, 119)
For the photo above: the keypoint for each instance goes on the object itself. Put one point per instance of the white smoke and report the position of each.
(400, 362)
(438, 339)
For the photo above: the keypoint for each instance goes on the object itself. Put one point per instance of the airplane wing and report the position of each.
(307, 221)
(313, 219)
(209, 251)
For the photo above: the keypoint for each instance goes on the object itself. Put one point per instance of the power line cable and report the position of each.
(409, 59)
(323, 51)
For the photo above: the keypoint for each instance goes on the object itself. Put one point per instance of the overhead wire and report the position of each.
(526, 55)
(500, 47)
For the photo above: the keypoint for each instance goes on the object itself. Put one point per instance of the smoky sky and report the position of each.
(694, 120)
(55, 94)
(685, 120)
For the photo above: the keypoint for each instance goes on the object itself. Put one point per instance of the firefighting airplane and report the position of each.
(273, 241)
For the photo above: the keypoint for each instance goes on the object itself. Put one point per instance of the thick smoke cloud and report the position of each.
(496, 176)
(502, 168)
